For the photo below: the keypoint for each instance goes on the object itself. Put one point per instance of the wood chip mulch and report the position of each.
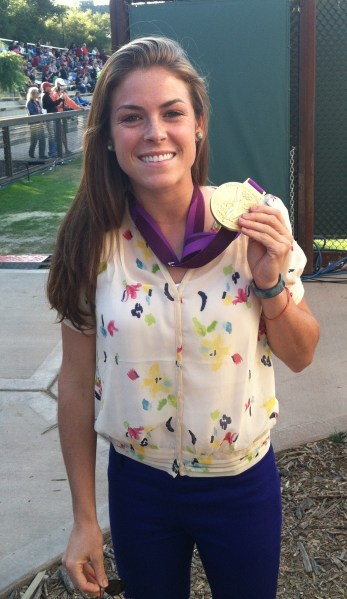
(314, 547)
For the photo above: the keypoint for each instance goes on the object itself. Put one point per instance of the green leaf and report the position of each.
(215, 415)
(162, 403)
(200, 329)
(228, 270)
(149, 318)
(171, 399)
(212, 326)
(12, 77)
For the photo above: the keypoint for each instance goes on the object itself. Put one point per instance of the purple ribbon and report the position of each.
(199, 248)
(256, 186)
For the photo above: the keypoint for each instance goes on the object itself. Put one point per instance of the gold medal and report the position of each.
(230, 200)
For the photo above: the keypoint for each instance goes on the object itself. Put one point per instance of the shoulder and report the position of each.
(207, 191)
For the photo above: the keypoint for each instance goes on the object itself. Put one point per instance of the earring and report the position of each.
(199, 135)
(110, 147)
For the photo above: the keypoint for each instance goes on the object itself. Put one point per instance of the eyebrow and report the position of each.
(164, 105)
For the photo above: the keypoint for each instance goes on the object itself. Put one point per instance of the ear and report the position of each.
(200, 123)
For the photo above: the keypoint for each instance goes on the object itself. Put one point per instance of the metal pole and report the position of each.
(119, 23)
(7, 151)
(307, 68)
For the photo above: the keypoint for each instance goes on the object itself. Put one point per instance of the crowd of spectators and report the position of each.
(76, 65)
(50, 73)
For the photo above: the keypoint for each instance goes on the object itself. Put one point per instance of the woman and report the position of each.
(183, 382)
(50, 105)
(37, 132)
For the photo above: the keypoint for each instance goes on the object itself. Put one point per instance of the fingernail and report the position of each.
(104, 583)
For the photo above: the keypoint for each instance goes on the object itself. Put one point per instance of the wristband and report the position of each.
(268, 293)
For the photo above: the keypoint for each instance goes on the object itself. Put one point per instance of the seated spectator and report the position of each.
(63, 74)
(47, 73)
(80, 85)
(79, 100)
(33, 76)
(79, 52)
(22, 49)
(44, 58)
(54, 67)
(37, 50)
(35, 61)
(103, 56)
(50, 54)
(72, 80)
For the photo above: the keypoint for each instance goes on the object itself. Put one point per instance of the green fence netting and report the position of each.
(242, 46)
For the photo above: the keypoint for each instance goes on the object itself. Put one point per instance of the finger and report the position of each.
(266, 234)
(80, 575)
(81, 583)
(99, 569)
(266, 216)
(89, 573)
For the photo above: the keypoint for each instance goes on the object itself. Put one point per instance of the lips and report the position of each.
(157, 157)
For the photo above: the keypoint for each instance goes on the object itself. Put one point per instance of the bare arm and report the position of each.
(83, 557)
(294, 335)
(292, 330)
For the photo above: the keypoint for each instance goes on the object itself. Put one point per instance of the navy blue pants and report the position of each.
(156, 520)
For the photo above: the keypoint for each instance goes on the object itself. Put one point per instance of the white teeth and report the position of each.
(157, 158)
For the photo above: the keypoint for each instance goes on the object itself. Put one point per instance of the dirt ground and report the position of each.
(314, 546)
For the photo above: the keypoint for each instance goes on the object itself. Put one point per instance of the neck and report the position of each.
(167, 207)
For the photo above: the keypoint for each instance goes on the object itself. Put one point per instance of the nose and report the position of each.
(155, 130)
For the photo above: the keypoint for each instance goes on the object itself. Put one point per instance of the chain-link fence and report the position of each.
(29, 143)
(331, 125)
(330, 176)
(294, 111)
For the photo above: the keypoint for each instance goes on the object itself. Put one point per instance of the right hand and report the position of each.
(83, 559)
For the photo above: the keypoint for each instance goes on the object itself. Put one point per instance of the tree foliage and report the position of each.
(77, 26)
(4, 15)
(41, 20)
(12, 77)
(26, 19)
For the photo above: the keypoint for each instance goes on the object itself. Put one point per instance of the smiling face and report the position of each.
(153, 131)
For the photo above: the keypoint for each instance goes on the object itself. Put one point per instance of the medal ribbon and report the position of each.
(199, 247)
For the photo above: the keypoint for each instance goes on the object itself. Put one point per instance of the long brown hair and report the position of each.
(101, 198)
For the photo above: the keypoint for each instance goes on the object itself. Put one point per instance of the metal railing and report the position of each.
(29, 143)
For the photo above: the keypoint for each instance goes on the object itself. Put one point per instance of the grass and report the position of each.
(30, 211)
(339, 438)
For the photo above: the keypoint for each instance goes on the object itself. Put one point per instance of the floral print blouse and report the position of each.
(184, 374)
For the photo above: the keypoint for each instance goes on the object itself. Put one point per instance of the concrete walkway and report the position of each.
(35, 507)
